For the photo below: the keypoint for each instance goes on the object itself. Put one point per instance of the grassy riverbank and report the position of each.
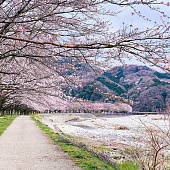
(80, 154)
(5, 121)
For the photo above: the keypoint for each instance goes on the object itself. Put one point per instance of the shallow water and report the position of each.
(72, 123)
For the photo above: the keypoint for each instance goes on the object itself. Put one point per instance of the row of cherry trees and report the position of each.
(89, 107)
(37, 37)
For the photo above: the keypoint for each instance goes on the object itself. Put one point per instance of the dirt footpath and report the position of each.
(24, 146)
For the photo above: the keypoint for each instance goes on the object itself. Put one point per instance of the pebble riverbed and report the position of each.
(127, 129)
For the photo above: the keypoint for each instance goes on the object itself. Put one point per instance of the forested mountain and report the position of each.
(149, 89)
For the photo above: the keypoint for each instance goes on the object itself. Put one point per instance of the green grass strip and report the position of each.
(80, 156)
(129, 165)
(5, 121)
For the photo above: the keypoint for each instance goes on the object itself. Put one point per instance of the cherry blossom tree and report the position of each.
(43, 41)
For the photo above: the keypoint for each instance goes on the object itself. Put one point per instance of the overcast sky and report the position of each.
(127, 18)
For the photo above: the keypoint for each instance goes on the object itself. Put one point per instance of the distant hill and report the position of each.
(150, 90)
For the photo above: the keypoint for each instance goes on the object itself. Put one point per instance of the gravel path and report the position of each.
(24, 146)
